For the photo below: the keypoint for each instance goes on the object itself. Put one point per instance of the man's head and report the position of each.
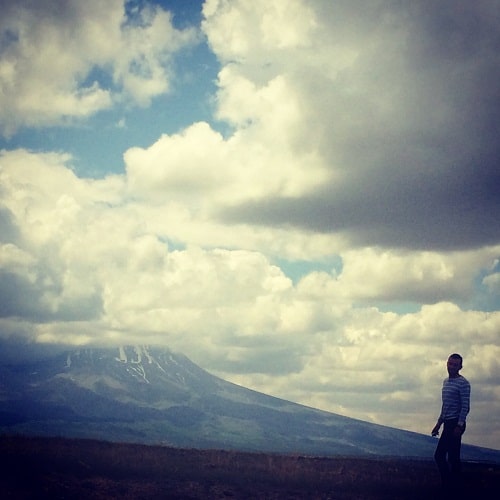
(454, 365)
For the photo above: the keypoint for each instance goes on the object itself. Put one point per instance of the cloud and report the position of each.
(422, 277)
(39, 278)
(58, 214)
(399, 117)
(66, 60)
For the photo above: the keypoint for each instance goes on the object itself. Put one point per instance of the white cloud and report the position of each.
(424, 277)
(244, 32)
(383, 103)
(181, 166)
(248, 165)
(51, 50)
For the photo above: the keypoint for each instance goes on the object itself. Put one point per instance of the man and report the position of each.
(456, 404)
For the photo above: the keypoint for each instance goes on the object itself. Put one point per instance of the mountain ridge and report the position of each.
(152, 395)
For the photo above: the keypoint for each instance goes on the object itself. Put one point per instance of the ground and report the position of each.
(59, 468)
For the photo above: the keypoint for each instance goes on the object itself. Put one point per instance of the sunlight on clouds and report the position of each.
(51, 54)
(142, 64)
(485, 360)
(225, 171)
(422, 276)
(269, 113)
(15, 259)
(399, 396)
(240, 30)
(180, 166)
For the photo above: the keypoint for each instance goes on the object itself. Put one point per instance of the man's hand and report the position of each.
(435, 431)
(458, 431)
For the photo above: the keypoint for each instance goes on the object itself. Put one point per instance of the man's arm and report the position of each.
(465, 403)
(464, 408)
(440, 420)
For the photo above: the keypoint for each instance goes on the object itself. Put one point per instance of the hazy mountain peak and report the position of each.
(133, 354)
(136, 364)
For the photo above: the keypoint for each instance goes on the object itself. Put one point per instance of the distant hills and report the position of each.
(155, 396)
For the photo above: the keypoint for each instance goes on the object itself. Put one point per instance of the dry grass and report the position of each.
(86, 469)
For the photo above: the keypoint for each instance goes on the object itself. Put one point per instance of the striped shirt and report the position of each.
(456, 399)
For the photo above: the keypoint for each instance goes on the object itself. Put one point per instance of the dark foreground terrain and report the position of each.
(59, 468)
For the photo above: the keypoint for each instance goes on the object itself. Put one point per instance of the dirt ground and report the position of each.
(55, 468)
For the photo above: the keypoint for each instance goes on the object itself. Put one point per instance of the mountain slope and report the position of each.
(152, 395)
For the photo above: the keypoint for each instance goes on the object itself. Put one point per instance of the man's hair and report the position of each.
(456, 356)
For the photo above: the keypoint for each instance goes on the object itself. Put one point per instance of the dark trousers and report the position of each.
(447, 453)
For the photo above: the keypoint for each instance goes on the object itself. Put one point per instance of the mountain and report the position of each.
(155, 396)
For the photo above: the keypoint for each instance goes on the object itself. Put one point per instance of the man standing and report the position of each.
(456, 404)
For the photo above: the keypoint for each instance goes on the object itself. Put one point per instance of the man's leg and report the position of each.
(440, 456)
(454, 458)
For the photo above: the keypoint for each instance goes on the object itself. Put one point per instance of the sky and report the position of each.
(299, 195)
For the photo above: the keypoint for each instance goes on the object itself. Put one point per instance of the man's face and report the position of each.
(453, 365)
